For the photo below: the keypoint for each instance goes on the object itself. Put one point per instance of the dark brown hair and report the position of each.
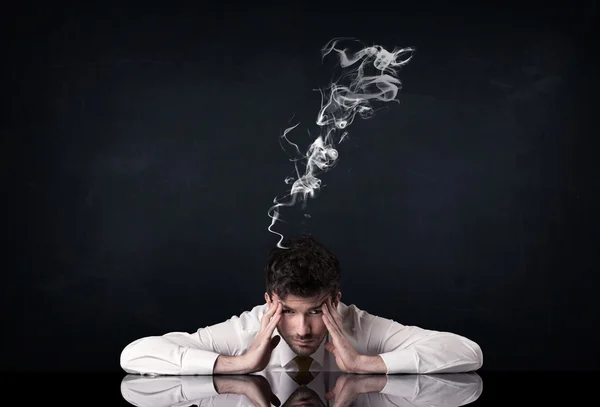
(305, 268)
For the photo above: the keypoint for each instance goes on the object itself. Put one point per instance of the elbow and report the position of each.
(477, 355)
(129, 354)
(125, 359)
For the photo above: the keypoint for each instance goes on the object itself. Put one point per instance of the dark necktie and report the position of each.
(303, 376)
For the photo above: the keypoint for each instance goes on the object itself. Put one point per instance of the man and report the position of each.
(319, 332)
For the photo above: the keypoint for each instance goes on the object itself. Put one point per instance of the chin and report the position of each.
(304, 351)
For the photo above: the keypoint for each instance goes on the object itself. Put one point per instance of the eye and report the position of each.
(287, 311)
(317, 311)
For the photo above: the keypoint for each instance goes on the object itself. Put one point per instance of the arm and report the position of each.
(213, 349)
(389, 347)
(410, 349)
(428, 390)
(435, 390)
(176, 353)
(167, 391)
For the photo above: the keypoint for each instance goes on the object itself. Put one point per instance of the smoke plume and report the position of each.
(369, 76)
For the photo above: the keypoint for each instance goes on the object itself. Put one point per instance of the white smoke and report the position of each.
(340, 102)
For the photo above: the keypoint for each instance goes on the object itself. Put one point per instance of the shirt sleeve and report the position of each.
(414, 350)
(182, 353)
(165, 391)
(456, 389)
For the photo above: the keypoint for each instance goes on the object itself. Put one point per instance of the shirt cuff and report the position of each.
(197, 388)
(404, 386)
(400, 361)
(198, 362)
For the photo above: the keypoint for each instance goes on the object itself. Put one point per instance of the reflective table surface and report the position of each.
(282, 389)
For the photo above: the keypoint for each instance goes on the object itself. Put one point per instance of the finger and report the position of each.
(275, 318)
(331, 327)
(327, 314)
(267, 315)
(339, 385)
(343, 399)
(328, 318)
(337, 317)
(334, 312)
(272, 307)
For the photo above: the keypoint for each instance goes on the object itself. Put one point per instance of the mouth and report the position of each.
(304, 343)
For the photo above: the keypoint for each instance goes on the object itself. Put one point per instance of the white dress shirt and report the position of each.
(403, 348)
(444, 390)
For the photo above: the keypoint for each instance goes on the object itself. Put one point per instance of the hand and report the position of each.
(255, 387)
(258, 354)
(346, 356)
(349, 386)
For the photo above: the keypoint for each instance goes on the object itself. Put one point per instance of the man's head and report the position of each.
(302, 277)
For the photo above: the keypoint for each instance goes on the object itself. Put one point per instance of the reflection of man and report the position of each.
(305, 397)
(319, 332)
(327, 388)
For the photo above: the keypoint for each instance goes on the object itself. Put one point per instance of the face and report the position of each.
(305, 397)
(302, 320)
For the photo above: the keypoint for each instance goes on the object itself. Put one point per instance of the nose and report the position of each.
(303, 328)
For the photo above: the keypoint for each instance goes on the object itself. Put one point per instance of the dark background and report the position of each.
(141, 146)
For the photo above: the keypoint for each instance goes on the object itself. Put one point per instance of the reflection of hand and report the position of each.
(349, 386)
(255, 387)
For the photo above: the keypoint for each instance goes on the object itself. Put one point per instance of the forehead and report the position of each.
(292, 301)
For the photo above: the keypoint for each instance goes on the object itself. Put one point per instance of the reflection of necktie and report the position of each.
(303, 376)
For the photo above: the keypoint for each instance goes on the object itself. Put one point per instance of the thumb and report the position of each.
(275, 341)
(329, 346)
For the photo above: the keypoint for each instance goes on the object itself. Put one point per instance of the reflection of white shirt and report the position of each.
(283, 385)
(404, 349)
(446, 390)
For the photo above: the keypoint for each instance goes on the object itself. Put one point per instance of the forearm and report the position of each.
(442, 353)
(432, 390)
(164, 356)
(228, 385)
(231, 365)
(371, 364)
